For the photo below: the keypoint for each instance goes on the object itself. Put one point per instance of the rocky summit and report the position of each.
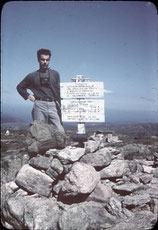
(103, 184)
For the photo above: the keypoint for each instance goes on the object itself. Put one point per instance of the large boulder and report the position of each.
(34, 181)
(87, 215)
(82, 178)
(32, 213)
(41, 214)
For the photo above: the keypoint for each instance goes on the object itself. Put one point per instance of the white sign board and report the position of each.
(82, 110)
(82, 90)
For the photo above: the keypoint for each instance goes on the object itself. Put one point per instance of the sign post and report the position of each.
(80, 104)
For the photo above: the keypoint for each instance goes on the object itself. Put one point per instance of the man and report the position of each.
(45, 85)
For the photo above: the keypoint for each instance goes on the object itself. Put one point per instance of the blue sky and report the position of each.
(110, 41)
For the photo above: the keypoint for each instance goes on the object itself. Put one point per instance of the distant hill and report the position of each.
(13, 122)
(10, 119)
(137, 130)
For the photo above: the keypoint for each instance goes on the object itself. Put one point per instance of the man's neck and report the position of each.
(43, 70)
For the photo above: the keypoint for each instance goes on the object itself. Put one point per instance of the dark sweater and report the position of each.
(32, 81)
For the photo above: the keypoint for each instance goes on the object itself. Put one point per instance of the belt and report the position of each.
(44, 99)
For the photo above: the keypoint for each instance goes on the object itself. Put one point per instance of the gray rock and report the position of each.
(98, 137)
(13, 211)
(152, 189)
(117, 168)
(16, 208)
(155, 172)
(82, 178)
(147, 169)
(58, 186)
(74, 218)
(99, 159)
(41, 214)
(67, 168)
(10, 187)
(12, 165)
(144, 220)
(126, 225)
(52, 173)
(21, 192)
(136, 200)
(98, 216)
(135, 151)
(33, 213)
(132, 166)
(7, 190)
(148, 163)
(139, 168)
(7, 225)
(87, 215)
(100, 194)
(34, 181)
(70, 154)
(52, 152)
(154, 206)
(25, 159)
(140, 221)
(40, 162)
(91, 146)
(145, 179)
(57, 166)
(134, 178)
(114, 206)
(127, 188)
(55, 169)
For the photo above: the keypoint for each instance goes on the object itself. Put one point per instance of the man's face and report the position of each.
(44, 61)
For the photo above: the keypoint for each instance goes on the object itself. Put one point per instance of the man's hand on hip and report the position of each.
(31, 98)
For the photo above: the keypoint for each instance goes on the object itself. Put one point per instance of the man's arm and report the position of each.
(22, 89)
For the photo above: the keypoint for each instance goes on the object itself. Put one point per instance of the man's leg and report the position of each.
(40, 111)
(54, 117)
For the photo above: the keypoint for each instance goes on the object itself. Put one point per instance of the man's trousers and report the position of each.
(47, 112)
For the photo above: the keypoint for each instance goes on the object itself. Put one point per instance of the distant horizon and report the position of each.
(23, 113)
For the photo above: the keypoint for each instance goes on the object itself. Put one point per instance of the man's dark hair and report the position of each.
(43, 51)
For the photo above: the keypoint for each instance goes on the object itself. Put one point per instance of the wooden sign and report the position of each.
(82, 110)
(82, 90)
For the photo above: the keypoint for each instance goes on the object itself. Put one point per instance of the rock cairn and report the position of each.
(76, 188)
